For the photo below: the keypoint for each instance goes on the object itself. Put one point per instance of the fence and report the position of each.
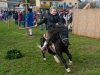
(86, 22)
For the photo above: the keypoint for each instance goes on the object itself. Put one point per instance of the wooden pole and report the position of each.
(26, 22)
(87, 5)
(77, 4)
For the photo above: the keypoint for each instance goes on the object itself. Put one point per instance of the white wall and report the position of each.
(3, 4)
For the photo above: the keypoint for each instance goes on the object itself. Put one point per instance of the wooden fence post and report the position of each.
(26, 22)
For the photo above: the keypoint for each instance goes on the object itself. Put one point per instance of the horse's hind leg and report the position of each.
(42, 40)
(69, 56)
(64, 61)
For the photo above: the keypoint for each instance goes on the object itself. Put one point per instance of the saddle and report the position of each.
(50, 44)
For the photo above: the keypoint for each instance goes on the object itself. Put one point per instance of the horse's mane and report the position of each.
(56, 31)
(59, 29)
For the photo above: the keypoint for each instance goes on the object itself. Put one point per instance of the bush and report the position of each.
(13, 54)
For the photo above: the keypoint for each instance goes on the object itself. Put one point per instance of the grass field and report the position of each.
(85, 52)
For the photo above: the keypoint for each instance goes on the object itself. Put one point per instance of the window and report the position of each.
(51, 4)
(56, 4)
(65, 3)
(44, 2)
(70, 3)
(10, 5)
(75, 3)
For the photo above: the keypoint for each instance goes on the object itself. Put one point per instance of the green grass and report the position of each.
(85, 52)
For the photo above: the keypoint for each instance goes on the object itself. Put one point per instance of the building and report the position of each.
(3, 4)
(8, 5)
(45, 4)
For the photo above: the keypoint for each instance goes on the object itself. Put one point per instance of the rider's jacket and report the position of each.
(50, 20)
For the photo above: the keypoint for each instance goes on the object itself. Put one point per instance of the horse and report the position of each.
(58, 44)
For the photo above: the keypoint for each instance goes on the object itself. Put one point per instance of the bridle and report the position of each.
(63, 39)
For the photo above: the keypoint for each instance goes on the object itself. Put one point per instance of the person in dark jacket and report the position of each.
(41, 17)
(16, 17)
(23, 18)
(52, 19)
(70, 21)
(9, 13)
(62, 18)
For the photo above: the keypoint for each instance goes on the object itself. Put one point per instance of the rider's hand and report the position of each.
(57, 24)
(36, 25)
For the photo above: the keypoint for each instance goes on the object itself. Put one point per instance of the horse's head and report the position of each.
(64, 38)
(64, 35)
(62, 32)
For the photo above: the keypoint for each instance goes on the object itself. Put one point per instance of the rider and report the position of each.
(52, 19)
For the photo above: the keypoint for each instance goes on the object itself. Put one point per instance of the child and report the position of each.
(29, 20)
(52, 19)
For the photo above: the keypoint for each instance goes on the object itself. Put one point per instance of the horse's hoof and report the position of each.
(44, 58)
(70, 62)
(68, 70)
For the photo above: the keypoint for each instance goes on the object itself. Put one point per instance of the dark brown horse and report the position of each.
(59, 44)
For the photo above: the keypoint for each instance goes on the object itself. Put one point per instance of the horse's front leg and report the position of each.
(56, 59)
(43, 53)
(64, 61)
(70, 56)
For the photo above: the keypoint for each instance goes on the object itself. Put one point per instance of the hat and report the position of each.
(29, 9)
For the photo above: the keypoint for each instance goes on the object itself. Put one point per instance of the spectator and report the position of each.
(70, 21)
(45, 13)
(29, 20)
(23, 18)
(16, 18)
(63, 18)
(0, 16)
(19, 18)
(35, 17)
(9, 13)
(6, 16)
(41, 17)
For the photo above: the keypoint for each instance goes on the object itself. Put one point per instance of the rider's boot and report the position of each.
(44, 45)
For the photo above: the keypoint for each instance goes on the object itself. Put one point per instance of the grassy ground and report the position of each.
(85, 51)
